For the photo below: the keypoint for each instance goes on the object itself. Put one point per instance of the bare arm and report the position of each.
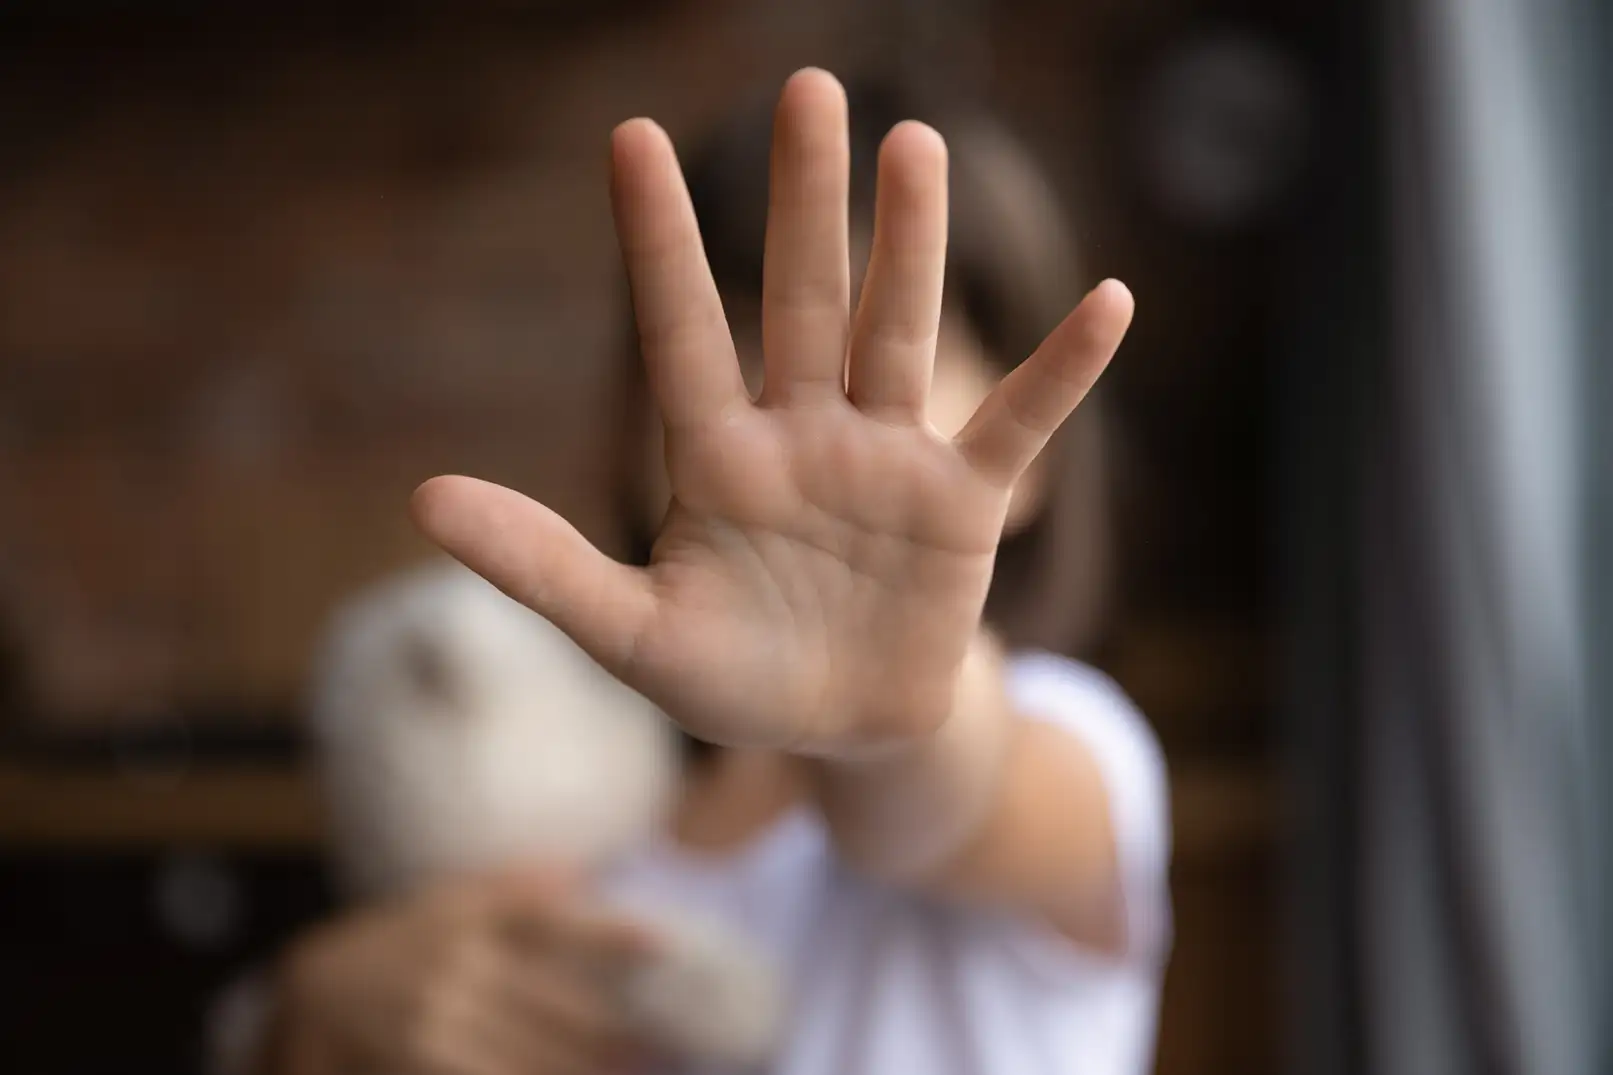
(819, 577)
(996, 807)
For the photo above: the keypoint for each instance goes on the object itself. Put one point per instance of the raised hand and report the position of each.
(821, 571)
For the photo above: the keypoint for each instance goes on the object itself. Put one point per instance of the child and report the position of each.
(958, 855)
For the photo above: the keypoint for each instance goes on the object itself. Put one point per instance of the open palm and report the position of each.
(822, 568)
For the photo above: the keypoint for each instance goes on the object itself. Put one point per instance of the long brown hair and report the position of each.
(1010, 272)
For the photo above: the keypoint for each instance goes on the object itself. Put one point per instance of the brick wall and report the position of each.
(257, 281)
(252, 291)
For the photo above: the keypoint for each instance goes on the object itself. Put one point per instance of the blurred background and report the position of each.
(259, 276)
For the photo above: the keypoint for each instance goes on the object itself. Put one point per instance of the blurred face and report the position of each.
(964, 375)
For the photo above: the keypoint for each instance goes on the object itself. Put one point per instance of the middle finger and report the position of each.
(806, 275)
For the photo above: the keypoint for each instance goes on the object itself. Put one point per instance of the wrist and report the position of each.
(905, 812)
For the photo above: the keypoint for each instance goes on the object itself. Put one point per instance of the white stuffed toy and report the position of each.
(458, 731)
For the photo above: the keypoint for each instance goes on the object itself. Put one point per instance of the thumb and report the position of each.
(540, 560)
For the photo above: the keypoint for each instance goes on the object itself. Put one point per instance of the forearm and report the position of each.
(995, 807)
(905, 815)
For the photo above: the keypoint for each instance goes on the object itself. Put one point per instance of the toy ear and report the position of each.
(429, 669)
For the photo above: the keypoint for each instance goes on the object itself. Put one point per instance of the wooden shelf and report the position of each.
(1218, 809)
(244, 806)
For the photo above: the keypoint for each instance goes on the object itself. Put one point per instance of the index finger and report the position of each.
(688, 352)
(607, 936)
(552, 914)
(522, 894)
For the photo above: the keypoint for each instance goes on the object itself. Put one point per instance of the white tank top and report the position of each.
(881, 982)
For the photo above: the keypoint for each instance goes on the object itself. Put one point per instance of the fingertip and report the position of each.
(636, 136)
(812, 84)
(551, 880)
(913, 163)
(432, 501)
(1115, 299)
(638, 127)
(638, 942)
(459, 514)
(611, 933)
(916, 141)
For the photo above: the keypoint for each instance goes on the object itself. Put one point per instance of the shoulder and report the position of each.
(1049, 676)
(1090, 704)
